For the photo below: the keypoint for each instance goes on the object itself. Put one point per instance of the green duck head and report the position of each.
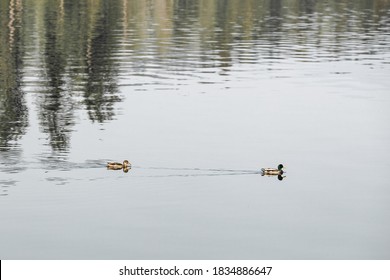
(280, 166)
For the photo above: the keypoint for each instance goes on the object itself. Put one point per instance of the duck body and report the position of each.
(117, 165)
(273, 171)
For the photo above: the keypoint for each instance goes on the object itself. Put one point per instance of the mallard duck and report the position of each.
(117, 165)
(273, 171)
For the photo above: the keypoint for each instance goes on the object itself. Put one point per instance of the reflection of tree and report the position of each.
(275, 19)
(101, 88)
(56, 108)
(67, 67)
(81, 43)
(13, 116)
(13, 110)
(308, 6)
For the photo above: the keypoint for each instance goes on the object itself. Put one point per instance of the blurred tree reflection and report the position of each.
(101, 87)
(83, 48)
(13, 109)
(78, 55)
(55, 102)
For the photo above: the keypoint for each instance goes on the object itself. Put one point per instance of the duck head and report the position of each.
(126, 164)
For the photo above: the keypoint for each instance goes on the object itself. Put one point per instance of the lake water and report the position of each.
(198, 96)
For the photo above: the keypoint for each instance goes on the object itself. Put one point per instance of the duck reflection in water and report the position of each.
(125, 166)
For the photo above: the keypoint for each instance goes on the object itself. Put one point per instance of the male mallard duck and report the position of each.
(117, 165)
(273, 171)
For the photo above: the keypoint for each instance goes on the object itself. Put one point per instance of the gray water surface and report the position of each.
(198, 96)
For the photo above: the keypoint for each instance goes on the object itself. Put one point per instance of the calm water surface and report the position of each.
(198, 95)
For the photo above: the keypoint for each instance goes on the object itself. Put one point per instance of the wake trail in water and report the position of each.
(61, 165)
(198, 172)
(197, 175)
(198, 169)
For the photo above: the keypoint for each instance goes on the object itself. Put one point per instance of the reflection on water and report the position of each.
(76, 60)
(13, 110)
(83, 47)
(222, 85)
(78, 53)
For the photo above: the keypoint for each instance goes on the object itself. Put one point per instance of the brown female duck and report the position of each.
(117, 165)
